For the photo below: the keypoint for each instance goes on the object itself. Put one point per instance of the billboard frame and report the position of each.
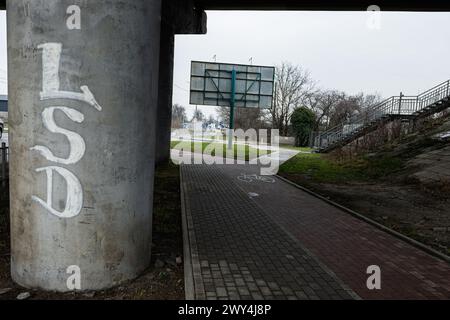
(236, 70)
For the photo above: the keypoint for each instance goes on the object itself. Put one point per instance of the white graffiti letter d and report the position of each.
(74, 198)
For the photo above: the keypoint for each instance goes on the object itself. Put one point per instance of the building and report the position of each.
(3, 107)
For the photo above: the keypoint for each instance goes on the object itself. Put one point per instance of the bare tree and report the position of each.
(211, 120)
(244, 118)
(351, 108)
(323, 104)
(344, 110)
(368, 102)
(198, 115)
(178, 116)
(292, 86)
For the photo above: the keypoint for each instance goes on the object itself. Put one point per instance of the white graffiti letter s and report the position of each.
(77, 145)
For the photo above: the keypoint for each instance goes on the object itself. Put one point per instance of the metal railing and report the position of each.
(393, 106)
(4, 159)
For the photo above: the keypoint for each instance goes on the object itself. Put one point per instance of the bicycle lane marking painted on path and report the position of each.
(348, 245)
(238, 252)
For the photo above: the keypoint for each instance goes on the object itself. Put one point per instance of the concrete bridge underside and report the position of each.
(387, 5)
(90, 113)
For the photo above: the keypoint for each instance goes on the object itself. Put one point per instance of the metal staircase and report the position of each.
(399, 107)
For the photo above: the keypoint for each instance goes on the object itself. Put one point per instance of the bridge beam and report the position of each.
(82, 117)
(338, 5)
(334, 5)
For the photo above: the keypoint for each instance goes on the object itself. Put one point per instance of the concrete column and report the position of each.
(178, 17)
(164, 113)
(82, 118)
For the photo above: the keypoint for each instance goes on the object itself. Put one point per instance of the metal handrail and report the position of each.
(396, 105)
(445, 83)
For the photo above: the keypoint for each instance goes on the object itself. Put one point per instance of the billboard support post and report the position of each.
(232, 106)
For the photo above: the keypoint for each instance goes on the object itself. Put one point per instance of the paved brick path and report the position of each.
(254, 240)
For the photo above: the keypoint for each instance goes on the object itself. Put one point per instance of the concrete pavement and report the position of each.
(282, 154)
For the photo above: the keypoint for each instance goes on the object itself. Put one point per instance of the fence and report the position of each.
(287, 140)
(398, 106)
(4, 158)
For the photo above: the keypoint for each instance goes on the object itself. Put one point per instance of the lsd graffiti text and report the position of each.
(51, 56)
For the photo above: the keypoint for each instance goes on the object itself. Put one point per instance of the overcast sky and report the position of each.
(409, 53)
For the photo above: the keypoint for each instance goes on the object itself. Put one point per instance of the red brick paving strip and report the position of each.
(348, 245)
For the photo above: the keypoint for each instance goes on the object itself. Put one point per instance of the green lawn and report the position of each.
(322, 168)
(237, 153)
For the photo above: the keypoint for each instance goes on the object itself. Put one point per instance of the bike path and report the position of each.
(256, 239)
(237, 252)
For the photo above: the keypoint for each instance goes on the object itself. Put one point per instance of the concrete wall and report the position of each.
(101, 213)
(287, 140)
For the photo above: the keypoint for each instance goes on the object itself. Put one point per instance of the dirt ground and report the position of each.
(406, 208)
(164, 279)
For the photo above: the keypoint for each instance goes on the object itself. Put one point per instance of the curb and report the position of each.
(396, 234)
(189, 290)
